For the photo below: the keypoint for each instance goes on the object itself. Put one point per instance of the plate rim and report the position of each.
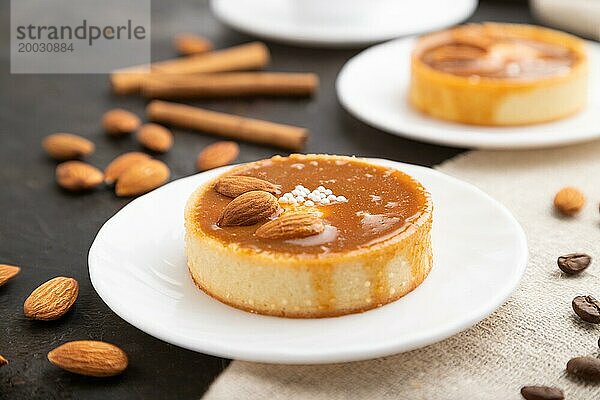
(418, 133)
(334, 40)
(347, 355)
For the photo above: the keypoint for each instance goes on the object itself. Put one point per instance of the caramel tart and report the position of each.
(499, 74)
(346, 236)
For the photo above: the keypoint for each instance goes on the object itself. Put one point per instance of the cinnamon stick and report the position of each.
(230, 84)
(227, 125)
(188, 44)
(248, 56)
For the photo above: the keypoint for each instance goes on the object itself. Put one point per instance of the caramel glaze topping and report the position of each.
(473, 50)
(382, 202)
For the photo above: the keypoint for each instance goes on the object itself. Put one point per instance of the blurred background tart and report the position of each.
(345, 236)
(499, 74)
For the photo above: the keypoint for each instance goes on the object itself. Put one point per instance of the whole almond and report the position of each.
(117, 166)
(7, 272)
(189, 44)
(233, 186)
(78, 176)
(155, 137)
(291, 225)
(249, 209)
(90, 358)
(217, 155)
(569, 201)
(119, 121)
(3, 361)
(67, 146)
(51, 300)
(142, 177)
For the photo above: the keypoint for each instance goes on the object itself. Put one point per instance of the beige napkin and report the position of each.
(527, 341)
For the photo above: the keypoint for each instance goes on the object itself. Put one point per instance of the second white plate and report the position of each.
(138, 267)
(340, 23)
(373, 87)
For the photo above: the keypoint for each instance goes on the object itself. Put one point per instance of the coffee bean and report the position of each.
(542, 393)
(587, 368)
(588, 308)
(573, 263)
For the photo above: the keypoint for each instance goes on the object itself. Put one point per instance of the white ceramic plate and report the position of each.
(373, 87)
(137, 265)
(340, 23)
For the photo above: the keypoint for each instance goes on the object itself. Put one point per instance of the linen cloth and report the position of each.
(526, 341)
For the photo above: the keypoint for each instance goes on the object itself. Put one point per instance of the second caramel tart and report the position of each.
(499, 74)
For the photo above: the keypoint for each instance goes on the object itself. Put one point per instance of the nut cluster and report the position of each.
(132, 173)
(253, 202)
(53, 300)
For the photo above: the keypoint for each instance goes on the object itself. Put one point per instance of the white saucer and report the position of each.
(339, 23)
(137, 266)
(373, 87)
